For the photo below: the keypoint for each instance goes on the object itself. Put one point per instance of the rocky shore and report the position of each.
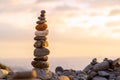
(106, 70)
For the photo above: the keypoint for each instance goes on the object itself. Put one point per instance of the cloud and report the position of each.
(115, 12)
(113, 24)
(100, 4)
(10, 32)
(116, 30)
(39, 1)
(66, 7)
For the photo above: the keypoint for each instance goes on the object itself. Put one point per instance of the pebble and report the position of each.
(41, 44)
(41, 27)
(41, 33)
(43, 11)
(101, 66)
(41, 22)
(44, 58)
(92, 74)
(64, 78)
(99, 78)
(42, 15)
(118, 78)
(44, 74)
(39, 52)
(3, 73)
(40, 38)
(59, 70)
(41, 18)
(40, 64)
(103, 73)
(24, 75)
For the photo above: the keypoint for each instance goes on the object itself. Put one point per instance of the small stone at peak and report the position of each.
(43, 11)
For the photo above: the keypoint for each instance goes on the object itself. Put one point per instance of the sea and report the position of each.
(76, 63)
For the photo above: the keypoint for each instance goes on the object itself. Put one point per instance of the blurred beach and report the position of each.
(67, 63)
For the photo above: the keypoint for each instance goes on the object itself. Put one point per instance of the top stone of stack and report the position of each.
(41, 23)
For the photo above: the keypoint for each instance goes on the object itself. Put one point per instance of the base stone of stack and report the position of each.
(43, 74)
(40, 64)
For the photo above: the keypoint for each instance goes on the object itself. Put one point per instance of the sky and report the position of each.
(77, 28)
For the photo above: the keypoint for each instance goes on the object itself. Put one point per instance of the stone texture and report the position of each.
(39, 52)
(41, 33)
(41, 27)
(24, 75)
(41, 18)
(116, 63)
(103, 73)
(64, 78)
(40, 64)
(40, 38)
(43, 74)
(99, 78)
(3, 73)
(92, 74)
(41, 21)
(43, 58)
(88, 68)
(101, 66)
(41, 44)
(118, 78)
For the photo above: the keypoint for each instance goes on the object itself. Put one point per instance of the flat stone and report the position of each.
(24, 75)
(41, 27)
(103, 73)
(41, 44)
(43, 74)
(41, 18)
(40, 38)
(42, 33)
(99, 78)
(39, 52)
(41, 22)
(42, 15)
(44, 58)
(40, 64)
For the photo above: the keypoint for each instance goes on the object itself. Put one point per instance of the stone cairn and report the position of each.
(41, 53)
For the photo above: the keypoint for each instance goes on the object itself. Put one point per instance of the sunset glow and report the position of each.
(78, 28)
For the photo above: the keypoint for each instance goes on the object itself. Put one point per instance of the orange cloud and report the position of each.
(115, 12)
(113, 24)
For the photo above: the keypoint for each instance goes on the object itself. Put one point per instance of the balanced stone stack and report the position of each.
(41, 53)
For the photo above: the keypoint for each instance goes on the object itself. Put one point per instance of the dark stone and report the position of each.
(40, 64)
(59, 69)
(43, 11)
(39, 52)
(41, 21)
(42, 15)
(44, 58)
(103, 73)
(41, 44)
(99, 78)
(40, 38)
(41, 18)
(94, 61)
